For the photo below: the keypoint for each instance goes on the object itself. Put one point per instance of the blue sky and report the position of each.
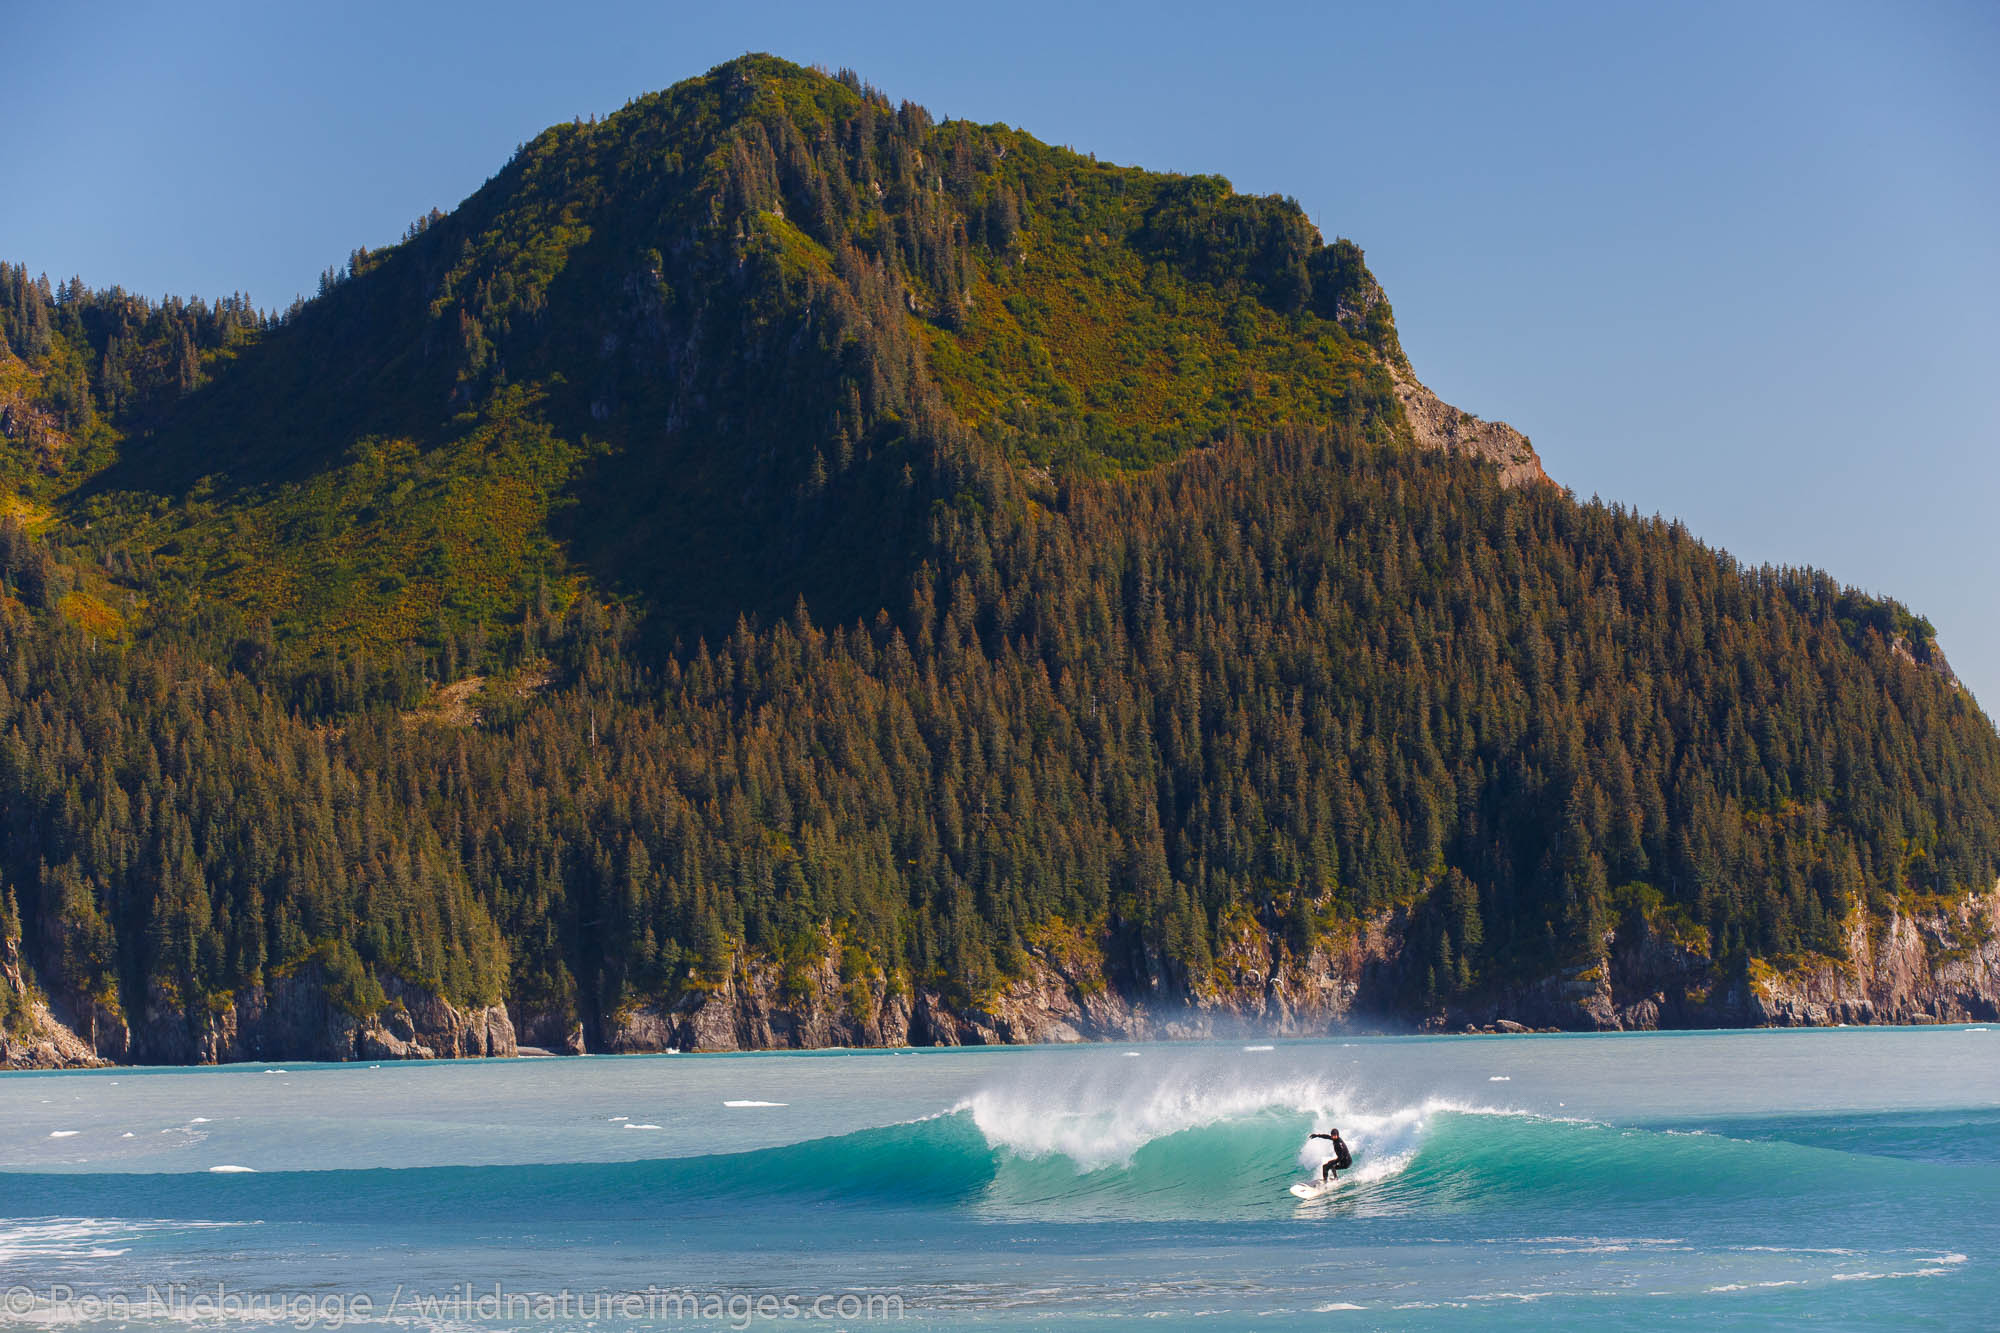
(1735, 263)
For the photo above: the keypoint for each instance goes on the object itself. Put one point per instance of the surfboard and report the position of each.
(1315, 1189)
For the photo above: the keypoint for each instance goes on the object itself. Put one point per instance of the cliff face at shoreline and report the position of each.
(1936, 963)
(299, 1018)
(1939, 963)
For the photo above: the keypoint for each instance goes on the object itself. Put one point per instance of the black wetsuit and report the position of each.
(1341, 1159)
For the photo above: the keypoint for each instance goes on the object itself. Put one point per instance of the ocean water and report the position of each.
(1755, 1179)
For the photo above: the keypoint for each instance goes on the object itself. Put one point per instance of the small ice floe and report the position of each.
(126, 1135)
(277, 1071)
(64, 1133)
(750, 1103)
(228, 1170)
(1131, 1055)
(1501, 1078)
(630, 1125)
(616, 1118)
(199, 1120)
(1267, 1048)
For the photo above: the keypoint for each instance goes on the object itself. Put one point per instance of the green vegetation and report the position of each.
(937, 546)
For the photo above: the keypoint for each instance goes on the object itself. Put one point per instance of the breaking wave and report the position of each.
(1181, 1144)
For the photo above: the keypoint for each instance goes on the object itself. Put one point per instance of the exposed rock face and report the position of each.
(1067, 995)
(547, 1029)
(759, 1007)
(1436, 424)
(293, 1019)
(1937, 963)
(35, 1038)
(1928, 655)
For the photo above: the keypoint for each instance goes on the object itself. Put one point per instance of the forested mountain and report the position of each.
(772, 566)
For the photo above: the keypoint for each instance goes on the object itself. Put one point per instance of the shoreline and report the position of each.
(535, 1054)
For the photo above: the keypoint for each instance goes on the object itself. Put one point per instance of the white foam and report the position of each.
(199, 1120)
(64, 1133)
(1587, 1242)
(1100, 1123)
(82, 1237)
(750, 1103)
(1331, 1306)
(228, 1170)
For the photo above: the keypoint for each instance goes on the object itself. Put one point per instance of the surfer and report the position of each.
(1341, 1159)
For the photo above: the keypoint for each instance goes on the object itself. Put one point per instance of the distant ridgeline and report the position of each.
(770, 554)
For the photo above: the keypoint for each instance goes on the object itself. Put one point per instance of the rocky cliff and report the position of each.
(30, 1036)
(1436, 424)
(297, 1017)
(1937, 961)
(1934, 962)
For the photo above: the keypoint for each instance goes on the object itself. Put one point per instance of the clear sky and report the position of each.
(1737, 263)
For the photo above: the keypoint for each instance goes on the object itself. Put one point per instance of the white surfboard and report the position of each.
(1315, 1189)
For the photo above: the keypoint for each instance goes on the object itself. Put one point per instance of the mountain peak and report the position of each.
(770, 544)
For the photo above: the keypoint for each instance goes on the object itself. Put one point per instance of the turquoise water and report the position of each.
(1756, 1179)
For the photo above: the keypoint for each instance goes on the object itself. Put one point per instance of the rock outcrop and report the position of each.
(1068, 993)
(294, 1018)
(1937, 961)
(31, 1037)
(1436, 424)
(1933, 962)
